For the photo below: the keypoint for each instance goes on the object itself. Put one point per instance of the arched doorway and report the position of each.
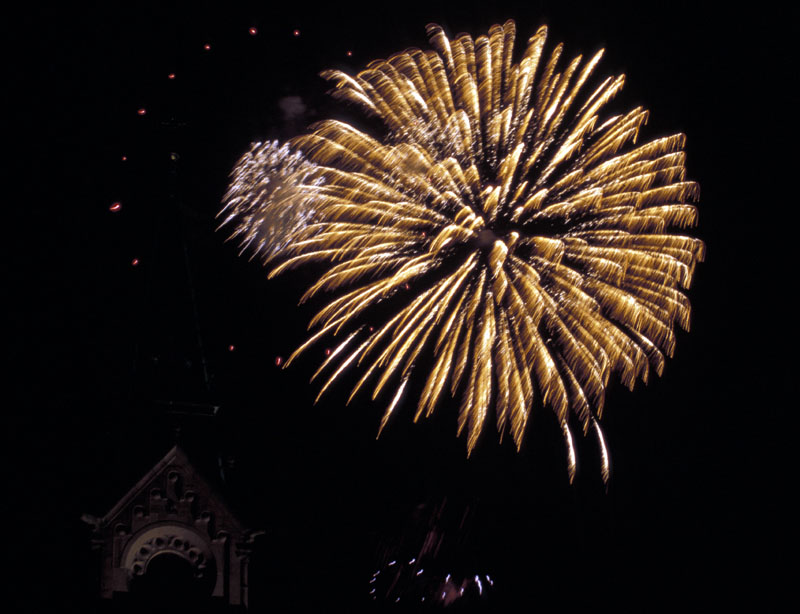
(170, 583)
(170, 540)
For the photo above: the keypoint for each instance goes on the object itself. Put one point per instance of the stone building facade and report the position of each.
(174, 513)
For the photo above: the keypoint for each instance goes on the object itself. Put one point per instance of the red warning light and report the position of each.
(327, 351)
(115, 207)
(231, 347)
(278, 361)
(349, 54)
(142, 111)
(296, 32)
(124, 158)
(135, 262)
(253, 31)
(171, 76)
(207, 47)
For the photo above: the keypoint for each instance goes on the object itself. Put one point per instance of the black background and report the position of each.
(694, 511)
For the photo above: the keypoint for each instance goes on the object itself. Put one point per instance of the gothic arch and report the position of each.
(169, 538)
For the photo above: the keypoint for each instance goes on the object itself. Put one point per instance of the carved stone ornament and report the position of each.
(175, 539)
(173, 510)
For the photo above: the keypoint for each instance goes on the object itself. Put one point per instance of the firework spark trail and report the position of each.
(265, 198)
(536, 235)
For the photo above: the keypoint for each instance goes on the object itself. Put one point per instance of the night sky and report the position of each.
(695, 509)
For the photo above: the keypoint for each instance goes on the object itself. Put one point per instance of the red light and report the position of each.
(253, 31)
(423, 234)
(407, 287)
(372, 329)
(171, 75)
(296, 32)
(142, 111)
(124, 158)
(135, 262)
(207, 47)
(278, 361)
(115, 207)
(327, 351)
(349, 54)
(231, 347)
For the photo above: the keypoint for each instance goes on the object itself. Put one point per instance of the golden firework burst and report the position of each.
(537, 236)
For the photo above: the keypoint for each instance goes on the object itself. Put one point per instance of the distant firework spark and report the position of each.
(535, 237)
